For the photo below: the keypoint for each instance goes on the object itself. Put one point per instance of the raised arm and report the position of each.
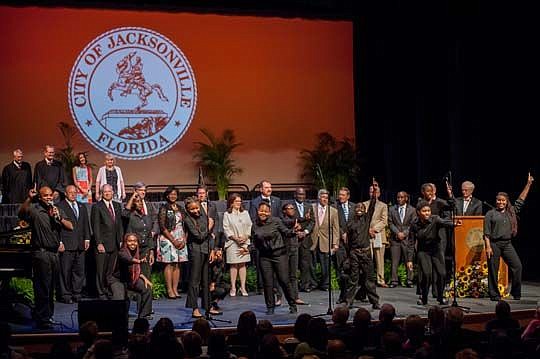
(527, 187)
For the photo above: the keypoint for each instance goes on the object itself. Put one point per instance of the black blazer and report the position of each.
(106, 231)
(395, 224)
(275, 205)
(212, 213)
(474, 208)
(74, 240)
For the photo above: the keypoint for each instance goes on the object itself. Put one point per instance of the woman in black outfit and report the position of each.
(430, 256)
(201, 252)
(267, 235)
(141, 224)
(500, 226)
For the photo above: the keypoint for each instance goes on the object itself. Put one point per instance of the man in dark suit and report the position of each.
(108, 233)
(50, 172)
(275, 204)
(76, 242)
(208, 208)
(400, 217)
(16, 179)
(466, 205)
(345, 210)
(305, 217)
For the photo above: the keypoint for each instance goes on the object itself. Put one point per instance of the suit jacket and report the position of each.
(275, 204)
(52, 176)
(74, 240)
(321, 230)
(380, 219)
(16, 182)
(395, 224)
(306, 221)
(106, 231)
(474, 208)
(212, 213)
(341, 214)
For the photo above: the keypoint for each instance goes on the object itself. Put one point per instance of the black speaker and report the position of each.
(108, 314)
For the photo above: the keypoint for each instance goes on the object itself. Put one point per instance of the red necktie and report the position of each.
(111, 211)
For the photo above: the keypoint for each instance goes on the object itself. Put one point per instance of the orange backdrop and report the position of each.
(276, 82)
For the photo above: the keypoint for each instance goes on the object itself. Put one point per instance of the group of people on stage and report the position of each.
(279, 237)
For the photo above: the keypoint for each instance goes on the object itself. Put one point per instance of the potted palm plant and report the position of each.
(332, 163)
(215, 158)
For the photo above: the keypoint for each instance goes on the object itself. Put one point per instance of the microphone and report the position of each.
(487, 204)
(55, 212)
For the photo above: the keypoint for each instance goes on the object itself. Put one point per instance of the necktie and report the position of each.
(75, 209)
(143, 212)
(346, 211)
(301, 209)
(401, 214)
(321, 214)
(111, 211)
(205, 207)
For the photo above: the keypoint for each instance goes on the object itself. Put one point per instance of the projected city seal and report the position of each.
(132, 93)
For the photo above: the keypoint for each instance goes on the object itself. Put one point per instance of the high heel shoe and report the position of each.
(244, 292)
(232, 293)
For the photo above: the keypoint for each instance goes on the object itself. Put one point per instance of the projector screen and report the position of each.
(141, 85)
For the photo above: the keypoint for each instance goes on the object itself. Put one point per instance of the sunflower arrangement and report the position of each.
(472, 282)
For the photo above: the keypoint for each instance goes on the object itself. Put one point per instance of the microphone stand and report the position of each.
(329, 311)
(452, 241)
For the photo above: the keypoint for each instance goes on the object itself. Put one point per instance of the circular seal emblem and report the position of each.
(475, 239)
(132, 93)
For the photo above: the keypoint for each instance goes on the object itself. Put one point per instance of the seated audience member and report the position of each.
(61, 350)
(88, 333)
(101, 349)
(363, 332)
(456, 338)
(532, 330)
(317, 340)
(217, 347)
(336, 349)
(244, 341)
(435, 326)
(341, 329)
(119, 339)
(386, 323)
(271, 348)
(163, 342)
(192, 343)
(503, 319)
(202, 327)
(467, 354)
(299, 332)
(7, 351)
(140, 338)
(391, 345)
(414, 335)
(128, 276)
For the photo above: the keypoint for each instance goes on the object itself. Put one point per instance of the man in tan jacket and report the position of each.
(377, 232)
(325, 235)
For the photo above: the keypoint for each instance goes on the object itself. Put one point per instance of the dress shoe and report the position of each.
(232, 292)
(269, 311)
(214, 311)
(278, 302)
(293, 309)
(443, 301)
(421, 302)
(376, 306)
(196, 315)
(409, 285)
(392, 285)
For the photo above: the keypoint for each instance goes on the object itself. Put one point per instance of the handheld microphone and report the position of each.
(55, 212)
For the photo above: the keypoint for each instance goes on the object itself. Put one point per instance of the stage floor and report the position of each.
(404, 299)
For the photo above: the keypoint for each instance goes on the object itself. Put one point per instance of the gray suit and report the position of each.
(398, 248)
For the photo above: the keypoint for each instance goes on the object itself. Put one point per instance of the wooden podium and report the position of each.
(471, 264)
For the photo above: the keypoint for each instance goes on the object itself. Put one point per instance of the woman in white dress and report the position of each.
(237, 228)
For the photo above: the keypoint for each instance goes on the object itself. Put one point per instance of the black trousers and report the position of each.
(72, 275)
(431, 263)
(343, 278)
(45, 267)
(323, 259)
(307, 271)
(105, 263)
(504, 249)
(362, 274)
(278, 266)
(198, 282)
(292, 255)
(398, 250)
(143, 295)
